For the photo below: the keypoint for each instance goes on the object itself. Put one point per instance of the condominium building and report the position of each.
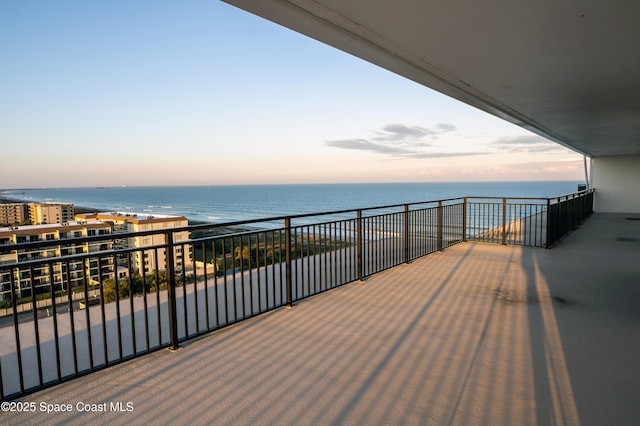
(42, 213)
(14, 214)
(151, 259)
(57, 275)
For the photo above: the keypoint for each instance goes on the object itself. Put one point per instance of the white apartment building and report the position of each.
(65, 274)
(152, 259)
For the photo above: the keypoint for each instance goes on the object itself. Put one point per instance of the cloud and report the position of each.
(446, 127)
(402, 141)
(365, 145)
(400, 132)
(446, 154)
(526, 143)
(396, 132)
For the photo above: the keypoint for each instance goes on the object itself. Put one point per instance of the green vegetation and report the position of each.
(260, 249)
(135, 285)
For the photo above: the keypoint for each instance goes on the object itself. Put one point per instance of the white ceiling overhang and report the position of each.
(567, 70)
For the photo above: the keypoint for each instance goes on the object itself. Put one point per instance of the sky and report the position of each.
(111, 93)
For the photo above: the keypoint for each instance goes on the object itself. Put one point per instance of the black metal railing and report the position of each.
(566, 212)
(507, 221)
(63, 317)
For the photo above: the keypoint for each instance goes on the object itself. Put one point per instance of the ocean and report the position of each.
(219, 204)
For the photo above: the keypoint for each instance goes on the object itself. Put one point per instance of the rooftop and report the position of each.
(132, 216)
(45, 227)
(476, 334)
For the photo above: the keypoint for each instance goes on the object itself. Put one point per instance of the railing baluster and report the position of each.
(145, 303)
(359, 247)
(288, 279)
(118, 317)
(194, 268)
(171, 293)
(85, 283)
(439, 226)
(54, 312)
(406, 233)
(214, 259)
(131, 307)
(14, 306)
(242, 287)
(158, 313)
(71, 320)
(36, 330)
(183, 277)
(105, 348)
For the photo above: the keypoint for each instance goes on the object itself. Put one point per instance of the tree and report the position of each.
(244, 256)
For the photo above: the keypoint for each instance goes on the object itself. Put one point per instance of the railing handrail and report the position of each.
(573, 194)
(6, 248)
(487, 197)
(122, 235)
(113, 235)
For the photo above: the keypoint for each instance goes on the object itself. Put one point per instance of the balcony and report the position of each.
(477, 333)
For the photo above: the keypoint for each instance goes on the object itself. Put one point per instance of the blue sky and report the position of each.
(198, 92)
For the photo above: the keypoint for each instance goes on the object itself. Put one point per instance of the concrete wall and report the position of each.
(617, 184)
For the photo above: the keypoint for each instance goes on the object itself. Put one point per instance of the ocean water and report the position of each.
(229, 203)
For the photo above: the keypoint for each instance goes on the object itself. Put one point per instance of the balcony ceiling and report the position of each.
(567, 70)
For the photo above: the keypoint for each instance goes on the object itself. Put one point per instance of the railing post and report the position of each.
(171, 294)
(359, 245)
(439, 230)
(504, 221)
(15, 294)
(464, 220)
(548, 224)
(406, 233)
(288, 276)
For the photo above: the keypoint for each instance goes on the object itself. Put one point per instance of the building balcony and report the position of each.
(474, 334)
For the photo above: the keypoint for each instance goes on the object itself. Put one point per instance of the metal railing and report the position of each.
(566, 212)
(64, 317)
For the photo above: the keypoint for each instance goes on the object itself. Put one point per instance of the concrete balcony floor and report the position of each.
(476, 334)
